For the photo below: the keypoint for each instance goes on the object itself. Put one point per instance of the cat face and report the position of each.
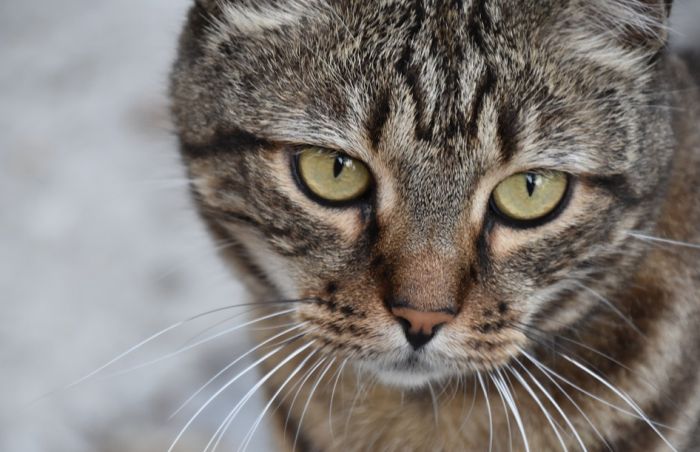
(442, 184)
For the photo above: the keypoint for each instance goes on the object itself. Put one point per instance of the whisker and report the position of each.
(622, 395)
(217, 393)
(546, 369)
(258, 420)
(507, 414)
(434, 402)
(168, 329)
(471, 408)
(273, 327)
(612, 307)
(549, 397)
(651, 238)
(498, 381)
(488, 409)
(233, 363)
(308, 401)
(455, 385)
(202, 333)
(330, 405)
(637, 374)
(299, 386)
(358, 391)
(537, 400)
(200, 342)
(221, 431)
(573, 402)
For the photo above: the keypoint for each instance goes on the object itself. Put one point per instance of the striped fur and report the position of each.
(581, 333)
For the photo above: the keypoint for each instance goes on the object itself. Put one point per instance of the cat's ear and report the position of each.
(635, 23)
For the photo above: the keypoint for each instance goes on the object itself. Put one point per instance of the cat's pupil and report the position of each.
(339, 165)
(530, 183)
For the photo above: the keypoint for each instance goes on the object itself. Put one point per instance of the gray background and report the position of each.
(99, 246)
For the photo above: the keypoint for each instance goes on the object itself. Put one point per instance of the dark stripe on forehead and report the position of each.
(485, 86)
(479, 23)
(508, 128)
(377, 118)
(410, 74)
(229, 141)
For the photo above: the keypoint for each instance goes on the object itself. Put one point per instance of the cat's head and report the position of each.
(442, 182)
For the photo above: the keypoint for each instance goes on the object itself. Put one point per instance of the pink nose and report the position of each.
(420, 326)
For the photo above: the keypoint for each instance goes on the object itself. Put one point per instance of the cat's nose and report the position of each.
(420, 326)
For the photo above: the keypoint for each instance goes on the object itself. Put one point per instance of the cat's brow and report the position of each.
(226, 141)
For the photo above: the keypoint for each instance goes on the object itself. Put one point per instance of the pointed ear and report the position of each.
(635, 23)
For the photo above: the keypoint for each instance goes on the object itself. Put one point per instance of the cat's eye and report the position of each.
(530, 196)
(332, 176)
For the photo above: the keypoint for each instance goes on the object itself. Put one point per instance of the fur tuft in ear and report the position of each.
(641, 24)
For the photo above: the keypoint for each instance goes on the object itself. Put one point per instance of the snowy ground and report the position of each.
(99, 247)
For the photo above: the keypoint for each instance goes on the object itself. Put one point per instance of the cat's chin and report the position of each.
(409, 379)
(406, 374)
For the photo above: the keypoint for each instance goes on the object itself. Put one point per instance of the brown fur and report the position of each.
(442, 101)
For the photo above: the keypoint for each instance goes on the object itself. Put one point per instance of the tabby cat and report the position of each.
(468, 224)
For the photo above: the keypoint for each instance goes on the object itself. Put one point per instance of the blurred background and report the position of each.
(99, 244)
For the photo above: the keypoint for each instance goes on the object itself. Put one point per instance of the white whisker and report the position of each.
(471, 408)
(221, 431)
(573, 402)
(216, 394)
(580, 389)
(542, 407)
(507, 414)
(150, 339)
(258, 420)
(622, 395)
(663, 240)
(308, 401)
(198, 343)
(612, 307)
(330, 405)
(554, 403)
(233, 363)
(358, 391)
(299, 386)
(434, 402)
(498, 381)
(488, 409)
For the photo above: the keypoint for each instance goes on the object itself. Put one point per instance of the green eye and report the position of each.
(332, 176)
(530, 196)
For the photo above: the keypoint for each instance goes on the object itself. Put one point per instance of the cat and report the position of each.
(474, 220)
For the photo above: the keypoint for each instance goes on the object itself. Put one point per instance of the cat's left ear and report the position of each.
(637, 23)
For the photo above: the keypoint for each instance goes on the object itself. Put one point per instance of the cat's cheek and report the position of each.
(275, 267)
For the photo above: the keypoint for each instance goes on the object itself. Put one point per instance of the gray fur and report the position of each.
(442, 100)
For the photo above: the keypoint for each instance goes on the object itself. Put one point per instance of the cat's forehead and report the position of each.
(440, 92)
(337, 72)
